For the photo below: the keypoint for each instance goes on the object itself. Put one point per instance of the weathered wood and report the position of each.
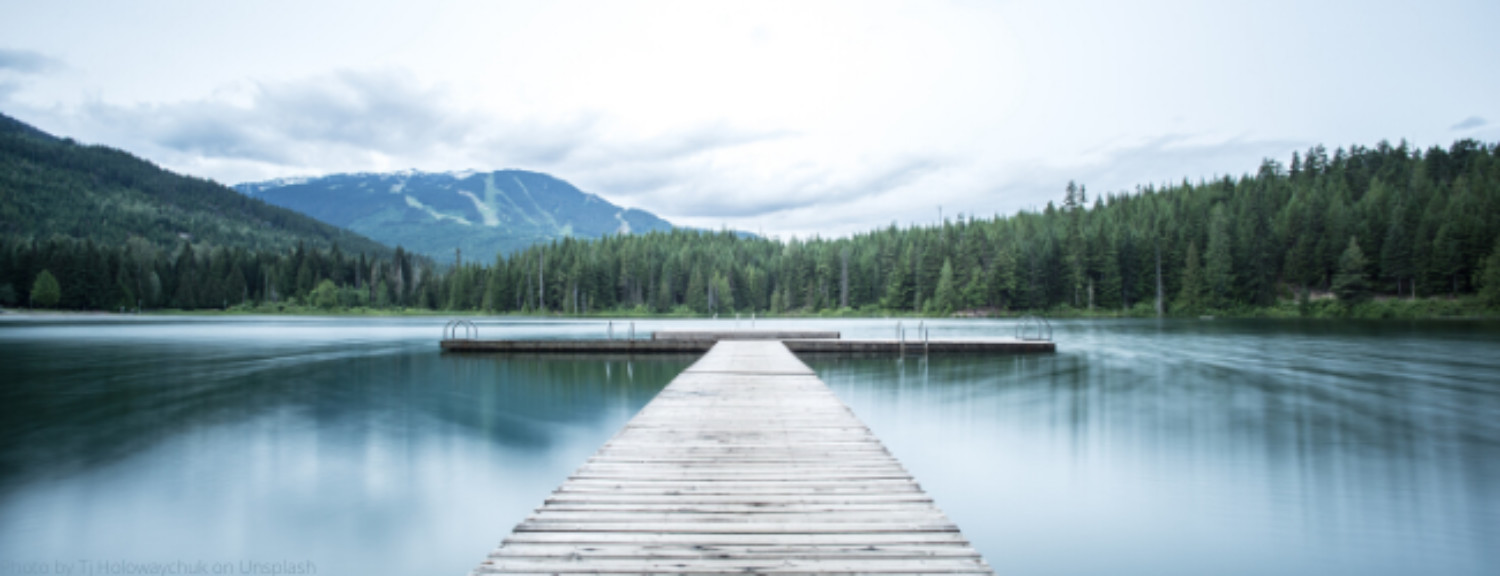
(887, 565)
(737, 566)
(745, 463)
(578, 346)
(902, 513)
(738, 485)
(731, 539)
(847, 551)
(918, 347)
(906, 493)
(784, 488)
(652, 468)
(801, 343)
(853, 460)
(741, 528)
(716, 335)
(738, 507)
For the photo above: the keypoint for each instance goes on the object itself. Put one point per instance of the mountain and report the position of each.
(53, 186)
(484, 214)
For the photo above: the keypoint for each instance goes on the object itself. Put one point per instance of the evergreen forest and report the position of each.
(1323, 232)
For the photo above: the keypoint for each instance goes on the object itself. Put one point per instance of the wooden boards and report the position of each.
(920, 347)
(679, 343)
(745, 463)
(619, 346)
(716, 335)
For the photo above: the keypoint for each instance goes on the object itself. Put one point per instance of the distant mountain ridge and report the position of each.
(483, 213)
(51, 186)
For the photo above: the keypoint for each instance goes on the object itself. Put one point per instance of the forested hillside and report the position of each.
(52, 187)
(111, 230)
(1359, 222)
(1339, 228)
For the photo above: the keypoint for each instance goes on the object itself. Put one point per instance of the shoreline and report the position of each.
(1437, 308)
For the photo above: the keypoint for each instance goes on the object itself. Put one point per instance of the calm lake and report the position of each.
(1140, 447)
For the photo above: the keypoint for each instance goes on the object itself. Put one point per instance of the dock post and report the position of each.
(632, 330)
(611, 329)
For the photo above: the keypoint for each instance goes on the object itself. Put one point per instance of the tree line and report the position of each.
(1389, 221)
(82, 275)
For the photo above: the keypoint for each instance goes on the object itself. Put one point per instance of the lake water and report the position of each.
(1141, 447)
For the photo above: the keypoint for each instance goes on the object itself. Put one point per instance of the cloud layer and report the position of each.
(27, 62)
(788, 117)
(388, 120)
(385, 120)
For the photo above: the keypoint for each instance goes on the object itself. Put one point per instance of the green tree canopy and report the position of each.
(45, 292)
(1489, 279)
(325, 295)
(1192, 296)
(1350, 284)
(945, 298)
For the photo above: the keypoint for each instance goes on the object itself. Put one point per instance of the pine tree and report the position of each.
(974, 290)
(1489, 278)
(945, 298)
(306, 280)
(1396, 251)
(1349, 283)
(234, 285)
(383, 295)
(1191, 298)
(1002, 278)
(898, 288)
(723, 293)
(45, 292)
(1218, 268)
(697, 292)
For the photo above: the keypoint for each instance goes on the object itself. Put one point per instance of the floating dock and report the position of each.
(717, 335)
(745, 463)
(677, 342)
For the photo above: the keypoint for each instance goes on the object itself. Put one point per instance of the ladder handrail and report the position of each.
(450, 330)
(1037, 325)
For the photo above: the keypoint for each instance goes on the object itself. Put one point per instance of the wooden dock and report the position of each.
(808, 341)
(745, 463)
(717, 335)
(579, 346)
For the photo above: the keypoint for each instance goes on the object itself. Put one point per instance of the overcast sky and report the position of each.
(793, 118)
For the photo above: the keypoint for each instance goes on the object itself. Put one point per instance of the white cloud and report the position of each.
(795, 117)
(27, 62)
(1470, 123)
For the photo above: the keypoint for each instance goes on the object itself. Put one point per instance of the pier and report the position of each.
(745, 463)
(800, 341)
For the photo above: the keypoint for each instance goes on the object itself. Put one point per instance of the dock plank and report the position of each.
(745, 463)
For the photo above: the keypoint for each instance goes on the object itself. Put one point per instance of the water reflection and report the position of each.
(1221, 447)
(1141, 447)
(354, 445)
